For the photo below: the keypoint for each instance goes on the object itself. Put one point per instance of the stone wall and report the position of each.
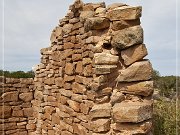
(16, 112)
(93, 79)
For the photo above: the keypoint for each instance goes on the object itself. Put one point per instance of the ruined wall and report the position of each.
(93, 78)
(16, 112)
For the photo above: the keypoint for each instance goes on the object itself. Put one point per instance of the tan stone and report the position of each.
(76, 57)
(105, 58)
(124, 13)
(115, 5)
(59, 81)
(10, 96)
(5, 111)
(26, 97)
(28, 112)
(97, 23)
(133, 54)
(138, 88)
(104, 69)
(66, 93)
(139, 71)
(74, 105)
(68, 78)
(68, 45)
(100, 111)
(17, 113)
(79, 129)
(69, 69)
(116, 97)
(68, 53)
(122, 24)
(101, 125)
(88, 70)
(84, 108)
(127, 37)
(49, 81)
(67, 28)
(137, 128)
(86, 14)
(78, 88)
(134, 112)
(66, 133)
(79, 67)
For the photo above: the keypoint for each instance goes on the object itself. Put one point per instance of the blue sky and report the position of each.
(28, 25)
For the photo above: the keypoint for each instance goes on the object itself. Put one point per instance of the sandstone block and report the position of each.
(59, 81)
(49, 81)
(100, 111)
(134, 112)
(78, 88)
(137, 128)
(66, 93)
(17, 113)
(79, 129)
(86, 14)
(68, 45)
(67, 28)
(97, 23)
(74, 105)
(104, 69)
(115, 5)
(26, 97)
(133, 54)
(122, 24)
(138, 88)
(5, 111)
(127, 37)
(124, 13)
(76, 57)
(28, 112)
(69, 68)
(79, 67)
(101, 125)
(139, 71)
(68, 78)
(10, 96)
(105, 58)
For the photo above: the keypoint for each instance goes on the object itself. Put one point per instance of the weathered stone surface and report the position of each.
(59, 81)
(86, 14)
(100, 111)
(127, 37)
(49, 81)
(138, 88)
(67, 28)
(97, 23)
(134, 112)
(101, 125)
(122, 24)
(26, 97)
(139, 71)
(116, 97)
(69, 69)
(137, 128)
(10, 96)
(74, 105)
(134, 53)
(104, 69)
(105, 58)
(78, 88)
(5, 111)
(79, 129)
(124, 13)
(28, 112)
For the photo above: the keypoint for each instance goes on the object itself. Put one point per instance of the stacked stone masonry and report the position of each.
(16, 112)
(94, 79)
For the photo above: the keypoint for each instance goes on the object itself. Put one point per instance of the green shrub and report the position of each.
(166, 118)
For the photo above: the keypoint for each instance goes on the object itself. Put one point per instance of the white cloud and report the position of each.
(28, 25)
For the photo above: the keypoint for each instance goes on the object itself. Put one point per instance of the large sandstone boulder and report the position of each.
(134, 53)
(124, 13)
(138, 88)
(127, 37)
(97, 23)
(105, 58)
(139, 71)
(100, 111)
(134, 112)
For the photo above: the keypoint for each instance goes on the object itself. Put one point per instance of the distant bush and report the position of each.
(17, 74)
(166, 118)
